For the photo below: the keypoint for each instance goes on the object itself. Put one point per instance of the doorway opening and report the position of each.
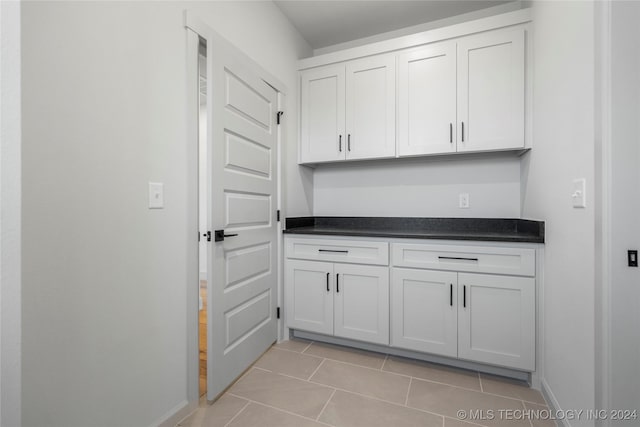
(203, 212)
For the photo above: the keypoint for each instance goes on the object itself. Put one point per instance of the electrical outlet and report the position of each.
(464, 201)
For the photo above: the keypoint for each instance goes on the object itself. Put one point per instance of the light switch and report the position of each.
(578, 196)
(156, 195)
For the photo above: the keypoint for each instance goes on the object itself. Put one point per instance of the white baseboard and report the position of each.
(177, 414)
(554, 406)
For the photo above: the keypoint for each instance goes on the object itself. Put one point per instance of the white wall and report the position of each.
(104, 278)
(420, 187)
(10, 298)
(563, 131)
(625, 205)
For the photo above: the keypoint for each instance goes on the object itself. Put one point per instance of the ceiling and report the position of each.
(327, 22)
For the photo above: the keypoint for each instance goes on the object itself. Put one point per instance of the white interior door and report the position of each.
(242, 278)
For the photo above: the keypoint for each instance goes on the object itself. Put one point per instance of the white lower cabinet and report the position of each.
(474, 303)
(478, 317)
(344, 300)
(424, 310)
(496, 320)
(309, 296)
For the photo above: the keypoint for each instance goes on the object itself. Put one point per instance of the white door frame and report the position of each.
(197, 29)
(603, 261)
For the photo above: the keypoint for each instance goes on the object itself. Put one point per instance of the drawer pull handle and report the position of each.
(458, 258)
(338, 283)
(451, 295)
(464, 296)
(328, 290)
(333, 251)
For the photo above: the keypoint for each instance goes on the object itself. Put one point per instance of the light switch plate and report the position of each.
(578, 195)
(156, 195)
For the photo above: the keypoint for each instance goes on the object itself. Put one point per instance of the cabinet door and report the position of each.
(322, 137)
(427, 101)
(496, 320)
(491, 91)
(309, 296)
(370, 108)
(361, 303)
(424, 311)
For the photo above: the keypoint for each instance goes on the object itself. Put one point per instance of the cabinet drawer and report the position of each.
(514, 261)
(349, 251)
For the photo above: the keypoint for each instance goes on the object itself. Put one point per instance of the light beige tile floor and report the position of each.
(300, 383)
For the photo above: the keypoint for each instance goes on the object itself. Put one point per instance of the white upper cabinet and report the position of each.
(463, 96)
(462, 89)
(348, 111)
(491, 91)
(322, 115)
(370, 108)
(427, 100)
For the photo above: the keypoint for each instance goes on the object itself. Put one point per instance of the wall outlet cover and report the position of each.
(464, 201)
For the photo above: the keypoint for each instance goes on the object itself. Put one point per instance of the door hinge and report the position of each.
(278, 215)
(278, 312)
(278, 114)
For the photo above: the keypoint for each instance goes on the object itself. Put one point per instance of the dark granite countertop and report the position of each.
(480, 229)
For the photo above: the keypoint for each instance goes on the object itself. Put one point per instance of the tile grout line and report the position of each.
(326, 404)
(239, 412)
(307, 347)
(316, 370)
(406, 399)
(384, 362)
(524, 405)
(480, 381)
(278, 409)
